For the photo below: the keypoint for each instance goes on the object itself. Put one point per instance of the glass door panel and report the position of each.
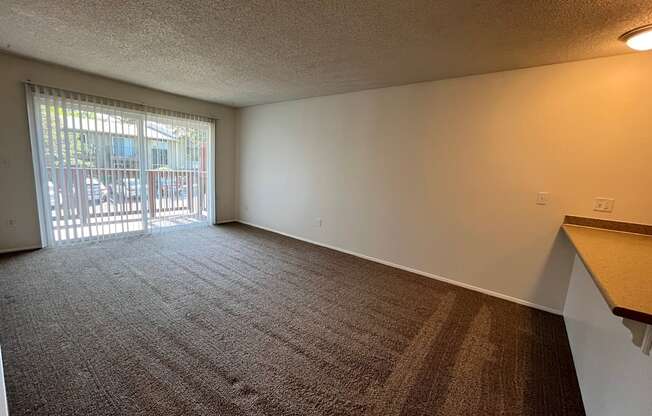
(110, 171)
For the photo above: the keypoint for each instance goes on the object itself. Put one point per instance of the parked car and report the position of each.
(166, 187)
(96, 191)
(129, 189)
(183, 191)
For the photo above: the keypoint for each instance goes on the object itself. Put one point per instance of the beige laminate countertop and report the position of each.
(619, 258)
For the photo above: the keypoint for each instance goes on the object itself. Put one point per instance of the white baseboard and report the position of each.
(416, 271)
(12, 250)
(4, 408)
(226, 221)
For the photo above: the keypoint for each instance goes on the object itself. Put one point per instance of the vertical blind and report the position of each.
(108, 167)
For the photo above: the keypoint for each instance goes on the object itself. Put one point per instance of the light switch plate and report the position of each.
(603, 204)
(543, 198)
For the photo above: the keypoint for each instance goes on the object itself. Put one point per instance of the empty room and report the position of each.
(275, 208)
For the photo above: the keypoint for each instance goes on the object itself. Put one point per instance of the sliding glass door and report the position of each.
(108, 168)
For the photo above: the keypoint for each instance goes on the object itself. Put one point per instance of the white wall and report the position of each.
(442, 176)
(614, 375)
(17, 195)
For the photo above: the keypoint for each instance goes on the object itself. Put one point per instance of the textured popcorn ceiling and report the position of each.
(249, 52)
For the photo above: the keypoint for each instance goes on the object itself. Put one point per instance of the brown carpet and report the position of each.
(233, 320)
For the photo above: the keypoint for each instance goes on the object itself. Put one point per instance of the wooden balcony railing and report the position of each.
(86, 193)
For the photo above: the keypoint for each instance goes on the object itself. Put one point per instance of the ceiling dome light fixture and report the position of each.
(639, 39)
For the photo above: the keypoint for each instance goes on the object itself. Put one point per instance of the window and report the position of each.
(124, 147)
(159, 155)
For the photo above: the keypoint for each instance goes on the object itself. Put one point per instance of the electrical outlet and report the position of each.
(11, 223)
(543, 198)
(603, 204)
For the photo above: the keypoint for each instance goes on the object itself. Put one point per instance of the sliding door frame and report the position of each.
(142, 164)
(212, 182)
(40, 169)
(38, 163)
